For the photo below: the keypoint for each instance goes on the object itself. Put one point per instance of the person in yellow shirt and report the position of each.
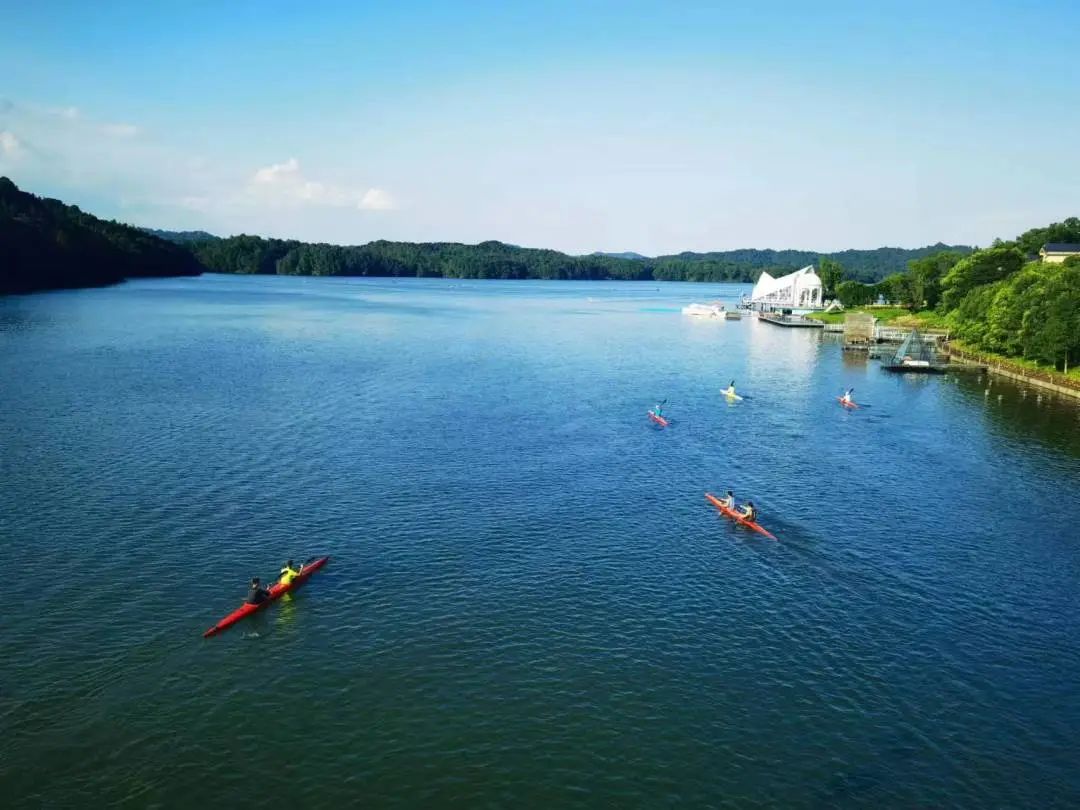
(289, 573)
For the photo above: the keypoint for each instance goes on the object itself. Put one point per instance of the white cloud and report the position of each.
(278, 173)
(285, 183)
(9, 145)
(375, 199)
(146, 179)
(120, 130)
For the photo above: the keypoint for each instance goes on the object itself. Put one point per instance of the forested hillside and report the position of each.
(252, 254)
(45, 244)
(1000, 299)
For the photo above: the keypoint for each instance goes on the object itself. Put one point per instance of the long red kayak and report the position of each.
(661, 421)
(851, 405)
(277, 590)
(757, 527)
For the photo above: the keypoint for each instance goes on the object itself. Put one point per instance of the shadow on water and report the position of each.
(1027, 413)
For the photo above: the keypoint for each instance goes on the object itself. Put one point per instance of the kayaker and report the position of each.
(749, 511)
(658, 408)
(730, 389)
(257, 594)
(289, 573)
(846, 398)
(729, 500)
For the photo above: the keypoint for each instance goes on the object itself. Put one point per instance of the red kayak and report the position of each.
(757, 527)
(851, 405)
(277, 590)
(661, 421)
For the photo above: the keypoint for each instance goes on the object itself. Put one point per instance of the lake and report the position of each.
(529, 602)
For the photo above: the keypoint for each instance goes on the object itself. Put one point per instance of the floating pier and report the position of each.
(795, 321)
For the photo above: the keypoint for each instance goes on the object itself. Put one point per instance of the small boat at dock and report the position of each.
(713, 310)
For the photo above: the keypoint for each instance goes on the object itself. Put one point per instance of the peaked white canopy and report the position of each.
(800, 289)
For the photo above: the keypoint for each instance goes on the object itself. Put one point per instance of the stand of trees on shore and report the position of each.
(1000, 299)
(45, 244)
(253, 254)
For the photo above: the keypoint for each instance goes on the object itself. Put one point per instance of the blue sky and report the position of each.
(655, 127)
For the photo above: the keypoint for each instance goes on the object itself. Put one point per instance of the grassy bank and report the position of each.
(1020, 365)
(883, 314)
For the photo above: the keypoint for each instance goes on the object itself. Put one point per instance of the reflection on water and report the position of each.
(1024, 412)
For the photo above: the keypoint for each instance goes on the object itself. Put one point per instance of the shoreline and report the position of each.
(1004, 367)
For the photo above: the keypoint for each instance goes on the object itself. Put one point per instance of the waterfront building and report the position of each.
(798, 290)
(1057, 252)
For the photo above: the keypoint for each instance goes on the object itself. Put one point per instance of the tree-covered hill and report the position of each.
(180, 237)
(253, 254)
(1000, 299)
(862, 265)
(45, 244)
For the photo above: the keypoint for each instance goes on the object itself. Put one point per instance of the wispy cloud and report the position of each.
(286, 184)
(10, 146)
(128, 170)
(120, 130)
(375, 199)
(278, 173)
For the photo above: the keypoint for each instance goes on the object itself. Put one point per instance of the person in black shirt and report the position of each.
(257, 594)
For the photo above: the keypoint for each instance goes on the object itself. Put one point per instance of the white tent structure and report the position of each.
(798, 290)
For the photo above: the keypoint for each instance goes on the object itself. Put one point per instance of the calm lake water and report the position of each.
(529, 603)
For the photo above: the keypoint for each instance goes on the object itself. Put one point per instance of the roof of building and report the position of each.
(767, 284)
(1061, 247)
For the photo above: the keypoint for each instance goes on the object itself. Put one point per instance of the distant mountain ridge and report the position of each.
(492, 259)
(45, 244)
(626, 254)
(861, 265)
(181, 237)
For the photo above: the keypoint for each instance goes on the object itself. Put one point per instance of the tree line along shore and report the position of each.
(1000, 299)
(50, 245)
(1003, 300)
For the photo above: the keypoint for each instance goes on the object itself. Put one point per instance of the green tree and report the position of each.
(926, 274)
(895, 288)
(855, 293)
(971, 317)
(1051, 330)
(1031, 242)
(981, 267)
(831, 273)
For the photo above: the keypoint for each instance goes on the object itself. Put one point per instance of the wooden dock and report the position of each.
(791, 321)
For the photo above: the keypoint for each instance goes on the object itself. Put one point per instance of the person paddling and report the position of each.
(257, 594)
(658, 409)
(749, 512)
(730, 391)
(289, 573)
(846, 398)
(729, 500)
